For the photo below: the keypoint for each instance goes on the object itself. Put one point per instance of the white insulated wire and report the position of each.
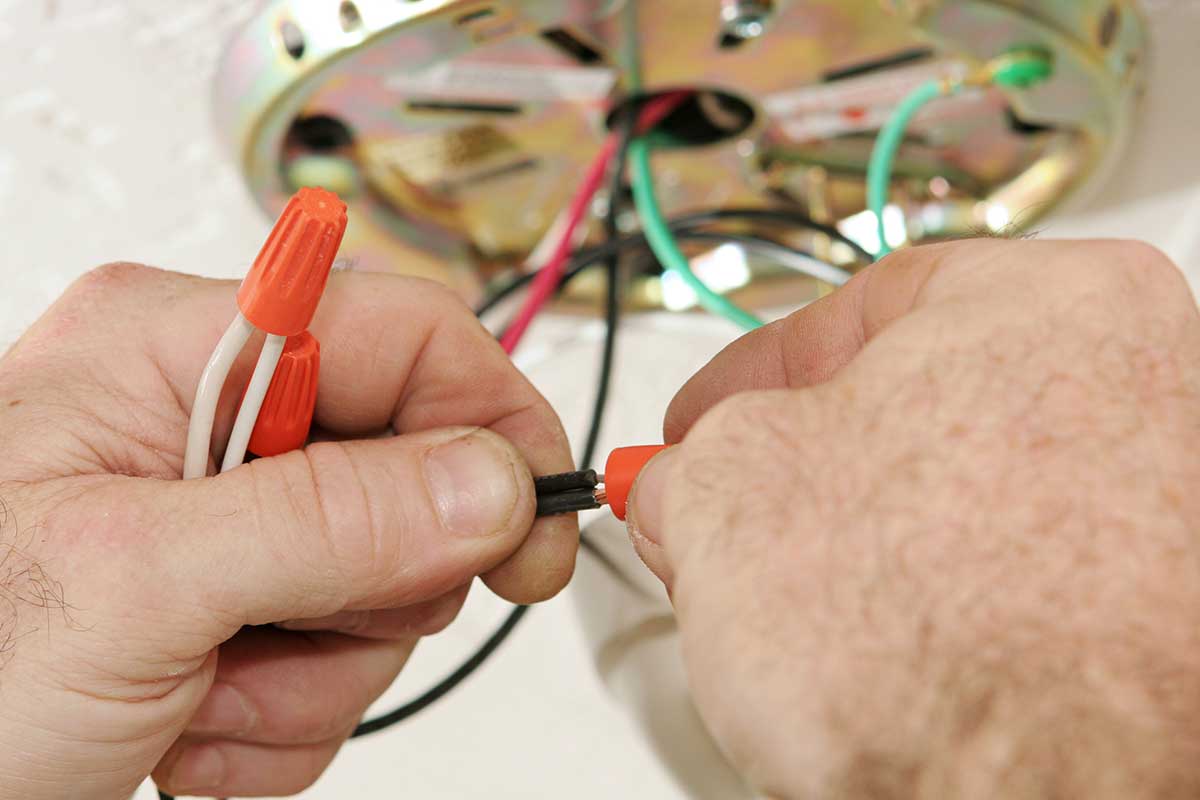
(807, 265)
(208, 392)
(256, 392)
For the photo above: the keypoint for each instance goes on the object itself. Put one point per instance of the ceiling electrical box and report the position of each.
(456, 129)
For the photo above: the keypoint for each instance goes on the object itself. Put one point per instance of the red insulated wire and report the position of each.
(548, 278)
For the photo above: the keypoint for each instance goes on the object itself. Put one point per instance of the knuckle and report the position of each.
(116, 285)
(335, 503)
(1123, 267)
(761, 444)
(1163, 283)
(745, 440)
(113, 276)
(748, 417)
(442, 295)
(432, 295)
(718, 422)
(1126, 280)
(1142, 258)
(315, 512)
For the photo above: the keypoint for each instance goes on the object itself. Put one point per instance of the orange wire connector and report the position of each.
(287, 410)
(580, 491)
(621, 472)
(280, 292)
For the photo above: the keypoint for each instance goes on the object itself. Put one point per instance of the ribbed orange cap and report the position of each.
(287, 410)
(621, 472)
(282, 289)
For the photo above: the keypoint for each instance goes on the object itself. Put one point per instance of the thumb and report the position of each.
(645, 513)
(345, 525)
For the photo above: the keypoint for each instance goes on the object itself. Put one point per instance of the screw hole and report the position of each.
(320, 133)
(349, 17)
(292, 39)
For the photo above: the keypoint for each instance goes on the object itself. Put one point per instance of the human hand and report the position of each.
(132, 603)
(935, 535)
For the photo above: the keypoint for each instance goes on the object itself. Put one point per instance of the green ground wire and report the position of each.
(662, 241)
(883, 155)
(1017, 69)
(1021, 68)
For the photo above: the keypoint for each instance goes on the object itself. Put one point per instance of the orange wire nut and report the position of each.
(621, 471)
(282, 289)
(287, 410)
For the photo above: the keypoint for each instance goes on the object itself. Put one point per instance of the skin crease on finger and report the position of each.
(966, 563)
(118, 582)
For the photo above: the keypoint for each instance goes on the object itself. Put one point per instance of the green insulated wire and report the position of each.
(1020, 68)
(662, 241)
(879, 169)
(1017, 69)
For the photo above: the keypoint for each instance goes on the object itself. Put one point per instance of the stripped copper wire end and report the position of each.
(569, 492)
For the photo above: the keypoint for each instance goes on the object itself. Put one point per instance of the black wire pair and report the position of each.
(567, 493)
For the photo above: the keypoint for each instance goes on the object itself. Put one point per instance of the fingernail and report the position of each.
(644, 514)
(473, 483)
(199, 769)
(224, 711)
(341, 621)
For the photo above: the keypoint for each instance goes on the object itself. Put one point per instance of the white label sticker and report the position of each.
(869, 91)
(471, 80)
(851, 105)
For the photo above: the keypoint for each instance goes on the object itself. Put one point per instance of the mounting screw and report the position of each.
(745, 19)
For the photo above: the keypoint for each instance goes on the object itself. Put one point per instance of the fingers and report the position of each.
(239, 769)
(645, 510)
(440, 367)
(953, 298)
(813, 344)
(396, 352)
(280, 707)
(280, 688)
(349, 525)
(420, 619)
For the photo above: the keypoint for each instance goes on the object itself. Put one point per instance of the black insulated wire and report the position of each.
(566, 493)
(444, 686)
(566, 481)
(567, 502)
(612, 296)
